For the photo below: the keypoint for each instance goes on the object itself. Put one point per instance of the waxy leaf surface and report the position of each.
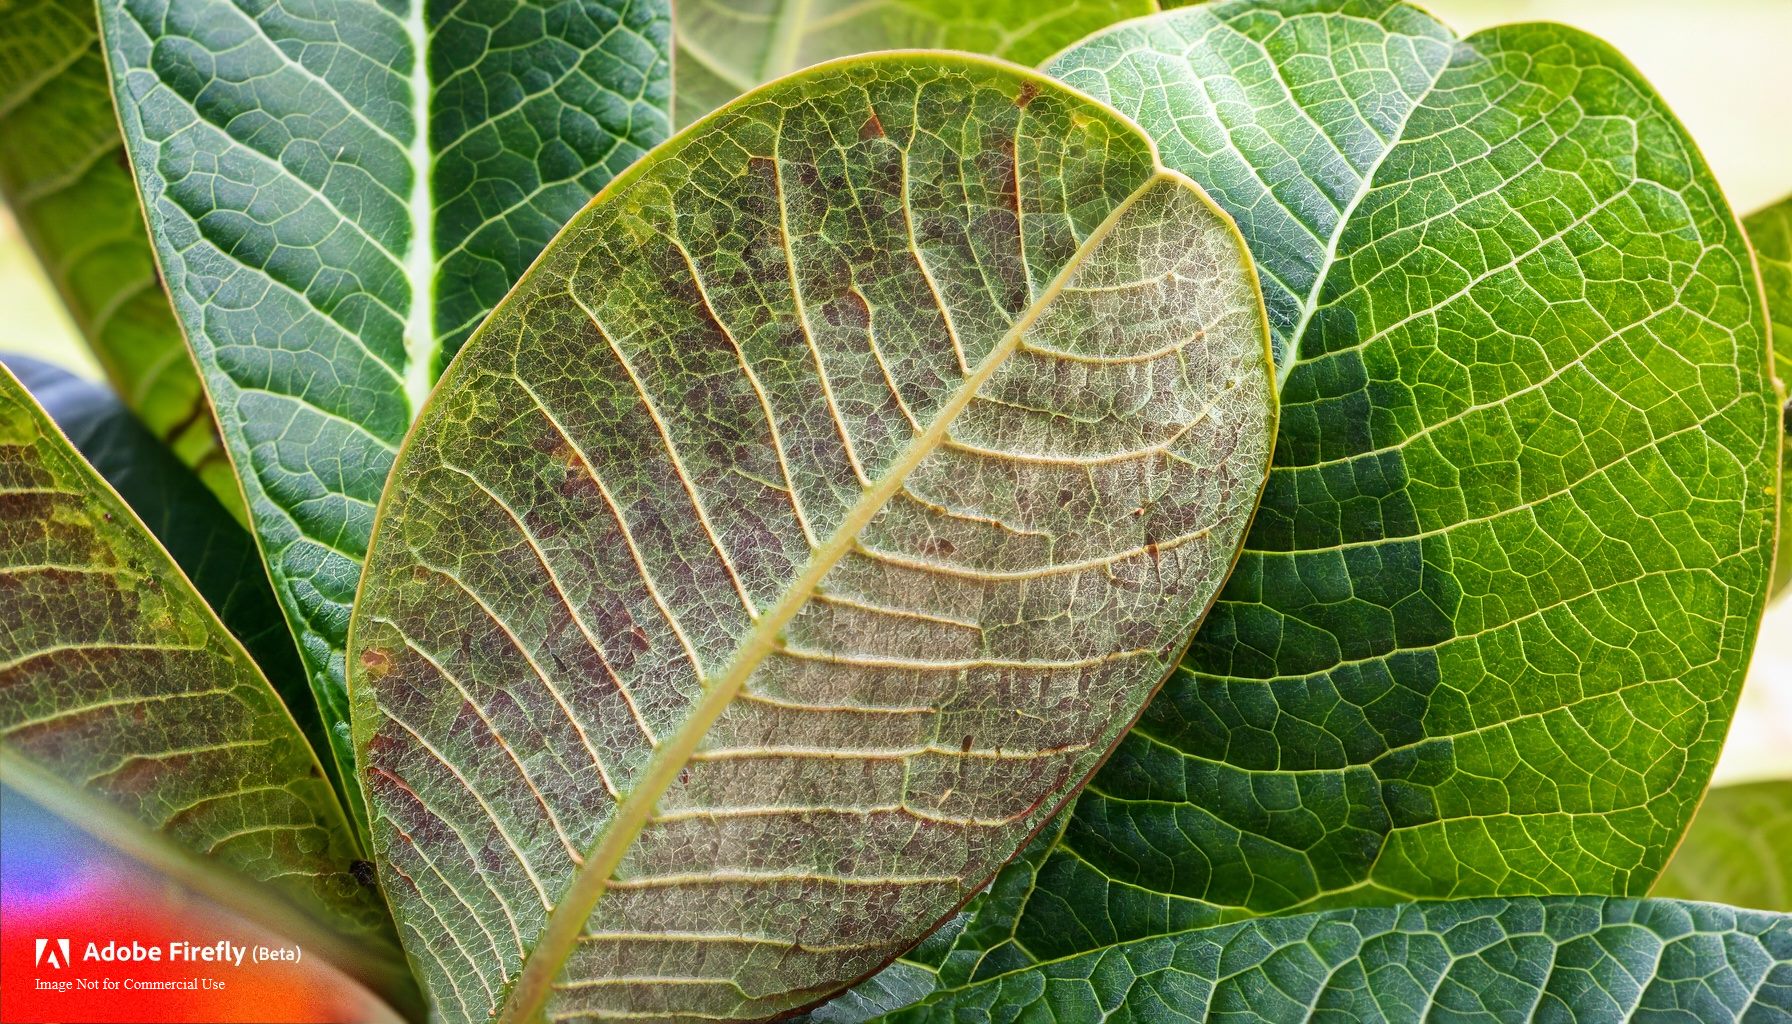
(795, 538)
(337, 192)
(124, 699)
(1770, 231)
(1493, 615)
(1738, 850)
(1512, 961)
(64, 175)
(726, 47)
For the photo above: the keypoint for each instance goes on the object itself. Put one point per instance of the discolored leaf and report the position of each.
(1738, 850)
(64, 175)
(1495, 960)
(726, 47)
(1770, 231)
(338, 191)
(214, 551)
(795, 538)
(126, 704)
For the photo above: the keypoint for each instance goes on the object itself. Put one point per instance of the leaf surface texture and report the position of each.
(337, 192)
(795, 538)
(1770, 231)
(1511, 961)
(121, 690)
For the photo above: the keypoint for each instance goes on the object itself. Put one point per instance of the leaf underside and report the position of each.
(64, 176)
(726, 47)
(214, 550)
(798, 535)
(118, 682)
(333, 219)
(1738, 850)
(1770, 231)
(1494, 960)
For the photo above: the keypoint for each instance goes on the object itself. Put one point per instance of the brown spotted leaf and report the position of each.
(126, 704)
(796, 538)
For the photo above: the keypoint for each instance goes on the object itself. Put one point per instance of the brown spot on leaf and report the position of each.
(871, 129)
(377, 663)
(1028, 90)
(938, 546)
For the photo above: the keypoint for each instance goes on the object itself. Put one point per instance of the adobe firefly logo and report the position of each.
(55, 955)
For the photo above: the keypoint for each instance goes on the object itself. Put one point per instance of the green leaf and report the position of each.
(1496, 607)
(1739, 849)
(1516, 960)
(796, 537)
(337, 192)
(726, 47)
(1770, 229)
(64, 175)
(214, 551)
(126, 704)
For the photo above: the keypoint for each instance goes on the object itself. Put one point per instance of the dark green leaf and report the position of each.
(1495, 610)
(1739, 849)
(1569, 959)
(63, 173)
(796, 537)
(337, 192)
(128, 706)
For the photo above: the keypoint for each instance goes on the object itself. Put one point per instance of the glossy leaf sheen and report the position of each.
(1495, 610)
(1770, 231)
(1491, 960)
(117, 680)
(1739, 849)
(64, 175)
(726, 47)
(796, 537)
(335, 207)
(214, 551)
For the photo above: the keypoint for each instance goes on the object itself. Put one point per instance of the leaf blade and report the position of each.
(1513, 960)
(1358, 390)
(711, 321)
(121, 691)
(334, 202)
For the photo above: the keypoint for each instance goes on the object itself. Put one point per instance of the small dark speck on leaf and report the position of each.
(363, 872)
(871, 129)
(1028, 90)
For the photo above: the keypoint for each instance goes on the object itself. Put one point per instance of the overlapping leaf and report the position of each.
(214, 551)
(125, 699)
(797, 536)
(1739, 849)
(64, 175)
(337, 192)
(1770, 230)
(1494, 613)
(726, 47)
(1495, 960)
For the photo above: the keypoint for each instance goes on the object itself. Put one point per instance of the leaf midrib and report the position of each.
(419, 264)
(529, 991)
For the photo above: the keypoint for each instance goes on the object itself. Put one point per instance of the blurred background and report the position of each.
(1725, 66)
